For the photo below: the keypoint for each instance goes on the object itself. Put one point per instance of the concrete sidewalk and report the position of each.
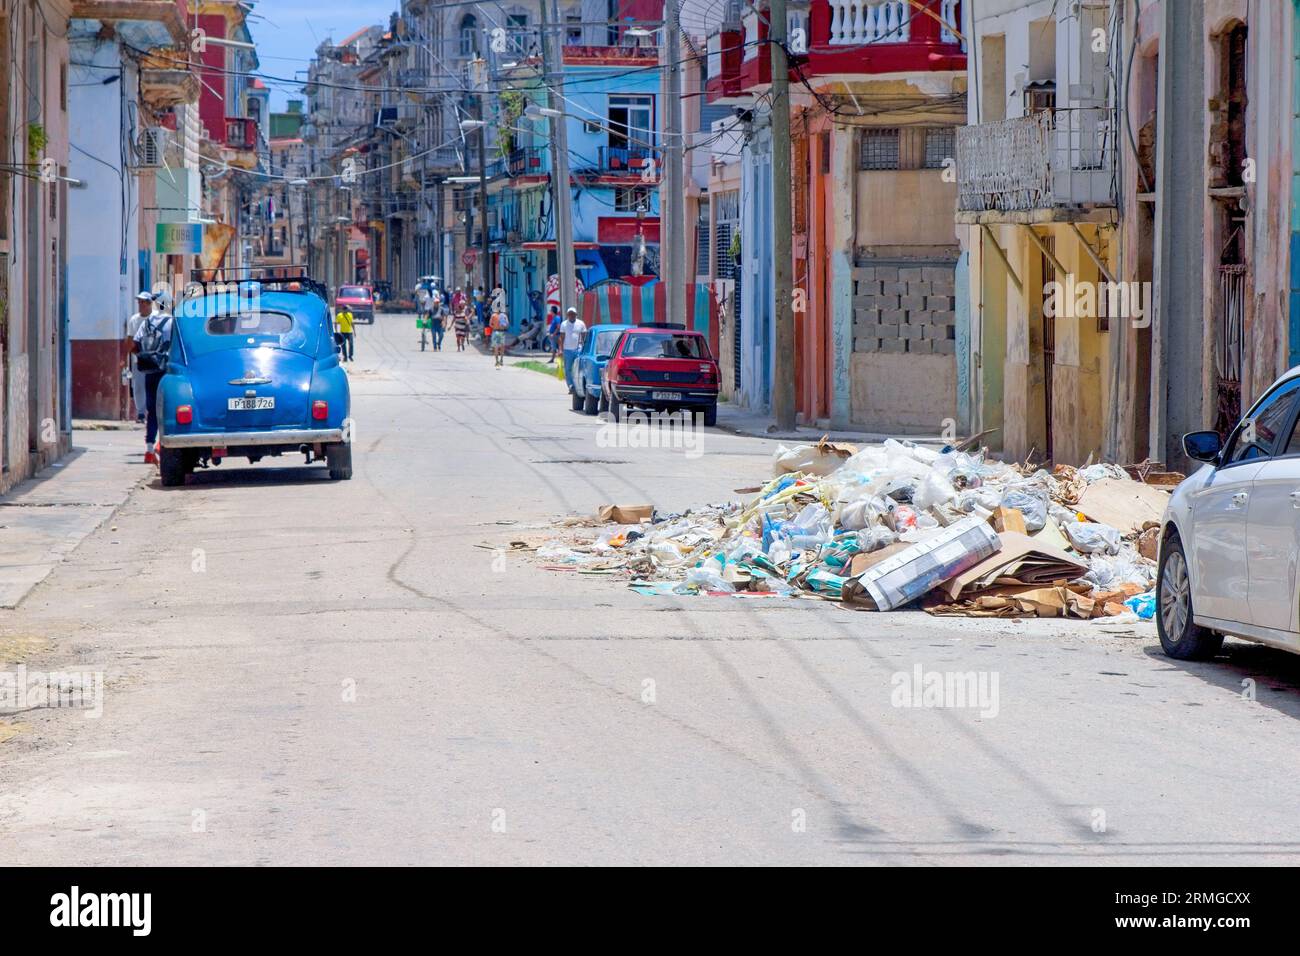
(742, 421)
(44, 518)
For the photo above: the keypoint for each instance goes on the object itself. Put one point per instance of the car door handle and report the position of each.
(1295, 498)
(1239, 498)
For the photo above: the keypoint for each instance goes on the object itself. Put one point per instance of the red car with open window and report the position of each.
(357, 299)
(662, 367)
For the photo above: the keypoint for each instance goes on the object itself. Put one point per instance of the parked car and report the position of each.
(359, 300)
(251, 380)
(1230, 536)
(665, 368)
(589, 366)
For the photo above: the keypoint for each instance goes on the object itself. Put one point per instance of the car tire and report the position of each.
(1180, 637)
(615, 409)
(173, 466)
(590, 403)
(603, 405)
(338, 457)
(575, 397)
(710, 415)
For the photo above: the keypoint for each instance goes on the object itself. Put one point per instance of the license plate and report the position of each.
(250, 404)
(666, 396)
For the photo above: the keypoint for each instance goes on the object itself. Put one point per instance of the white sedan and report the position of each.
(1231, 535)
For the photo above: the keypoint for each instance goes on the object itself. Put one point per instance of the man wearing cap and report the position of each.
(150, 345)
(144, 303)
(572, 331)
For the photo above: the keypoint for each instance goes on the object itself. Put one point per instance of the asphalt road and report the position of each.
(299, 671)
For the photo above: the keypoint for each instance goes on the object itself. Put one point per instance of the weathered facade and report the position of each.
(35, 419)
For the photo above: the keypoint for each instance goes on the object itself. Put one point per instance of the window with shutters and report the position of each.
(726, 225)
(908, 147)
(702, 237)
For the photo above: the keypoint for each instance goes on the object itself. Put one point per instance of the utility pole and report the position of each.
(562, 196)
(480, 88)
(672, 237)
(783, 268)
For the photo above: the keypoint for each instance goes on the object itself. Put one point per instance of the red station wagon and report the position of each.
(358, 300)
(662, 367)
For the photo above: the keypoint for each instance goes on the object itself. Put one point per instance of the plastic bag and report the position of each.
(1093, 538)
(1030, 501)
(934, 489)
(1143, 605)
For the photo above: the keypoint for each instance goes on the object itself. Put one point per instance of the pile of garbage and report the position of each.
(889, 525)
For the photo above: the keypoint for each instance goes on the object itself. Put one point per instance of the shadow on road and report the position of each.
(1274, 674)
(221, 477)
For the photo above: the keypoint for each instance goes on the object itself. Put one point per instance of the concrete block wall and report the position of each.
(905, 307)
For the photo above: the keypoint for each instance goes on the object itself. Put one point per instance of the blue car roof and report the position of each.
(610, 325)
(304, 304)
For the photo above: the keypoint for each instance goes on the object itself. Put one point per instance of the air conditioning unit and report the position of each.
(591, 126)
(151, 149)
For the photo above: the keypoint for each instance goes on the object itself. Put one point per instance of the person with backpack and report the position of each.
(151, 344)
(144, 308)
(498, 324)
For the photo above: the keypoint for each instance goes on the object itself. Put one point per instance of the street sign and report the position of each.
(179, 238)
(469, 257)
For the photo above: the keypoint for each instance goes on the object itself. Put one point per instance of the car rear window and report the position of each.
(250, 323)
(655, 345)
(231, 328)
(605, 342)
(353, 292)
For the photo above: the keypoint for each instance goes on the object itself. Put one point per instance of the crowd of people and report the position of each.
(485, 316)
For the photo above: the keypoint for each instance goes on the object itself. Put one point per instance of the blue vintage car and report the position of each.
(253, 372)
(589, 366)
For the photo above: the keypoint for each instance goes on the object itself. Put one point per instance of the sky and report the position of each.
(286, 33)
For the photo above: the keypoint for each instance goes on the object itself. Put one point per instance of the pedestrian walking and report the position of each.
(344, 322)
(144, 308)
(553, 322)
(461, 325)
(424, 310)
(437, 321)
(150, 345)
(499, 322)
(572, 331)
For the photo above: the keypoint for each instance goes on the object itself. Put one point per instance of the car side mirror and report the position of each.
(1203, 446)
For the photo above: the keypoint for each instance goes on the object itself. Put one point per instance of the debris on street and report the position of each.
(892, 525)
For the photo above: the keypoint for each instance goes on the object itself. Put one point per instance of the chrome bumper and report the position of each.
(302, 436)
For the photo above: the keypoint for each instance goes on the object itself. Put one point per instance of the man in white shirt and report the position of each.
(572, 332)
(144, 304)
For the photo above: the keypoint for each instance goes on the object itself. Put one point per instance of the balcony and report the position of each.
(725, 48)
(864, 37)
(526, 161)
(242, 141)
(623, 160)
(634, 56)
(1049, 166)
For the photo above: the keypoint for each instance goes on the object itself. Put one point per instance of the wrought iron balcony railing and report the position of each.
(1047, 160)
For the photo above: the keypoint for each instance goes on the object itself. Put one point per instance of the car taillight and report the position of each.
(184, 414)
(320, 410)
(710, 373)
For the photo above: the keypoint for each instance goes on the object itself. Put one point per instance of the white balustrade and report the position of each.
(858, 22)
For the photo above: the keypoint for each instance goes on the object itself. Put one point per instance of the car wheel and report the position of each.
(604, 403)
(172, 466)
(1181, 638)
(615, 409)
(576, 396)
(339, 458)
(711, 415)
(590, 403)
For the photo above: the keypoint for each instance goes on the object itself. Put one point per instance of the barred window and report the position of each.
(910, 147)
(940, 144)
(879, 148)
